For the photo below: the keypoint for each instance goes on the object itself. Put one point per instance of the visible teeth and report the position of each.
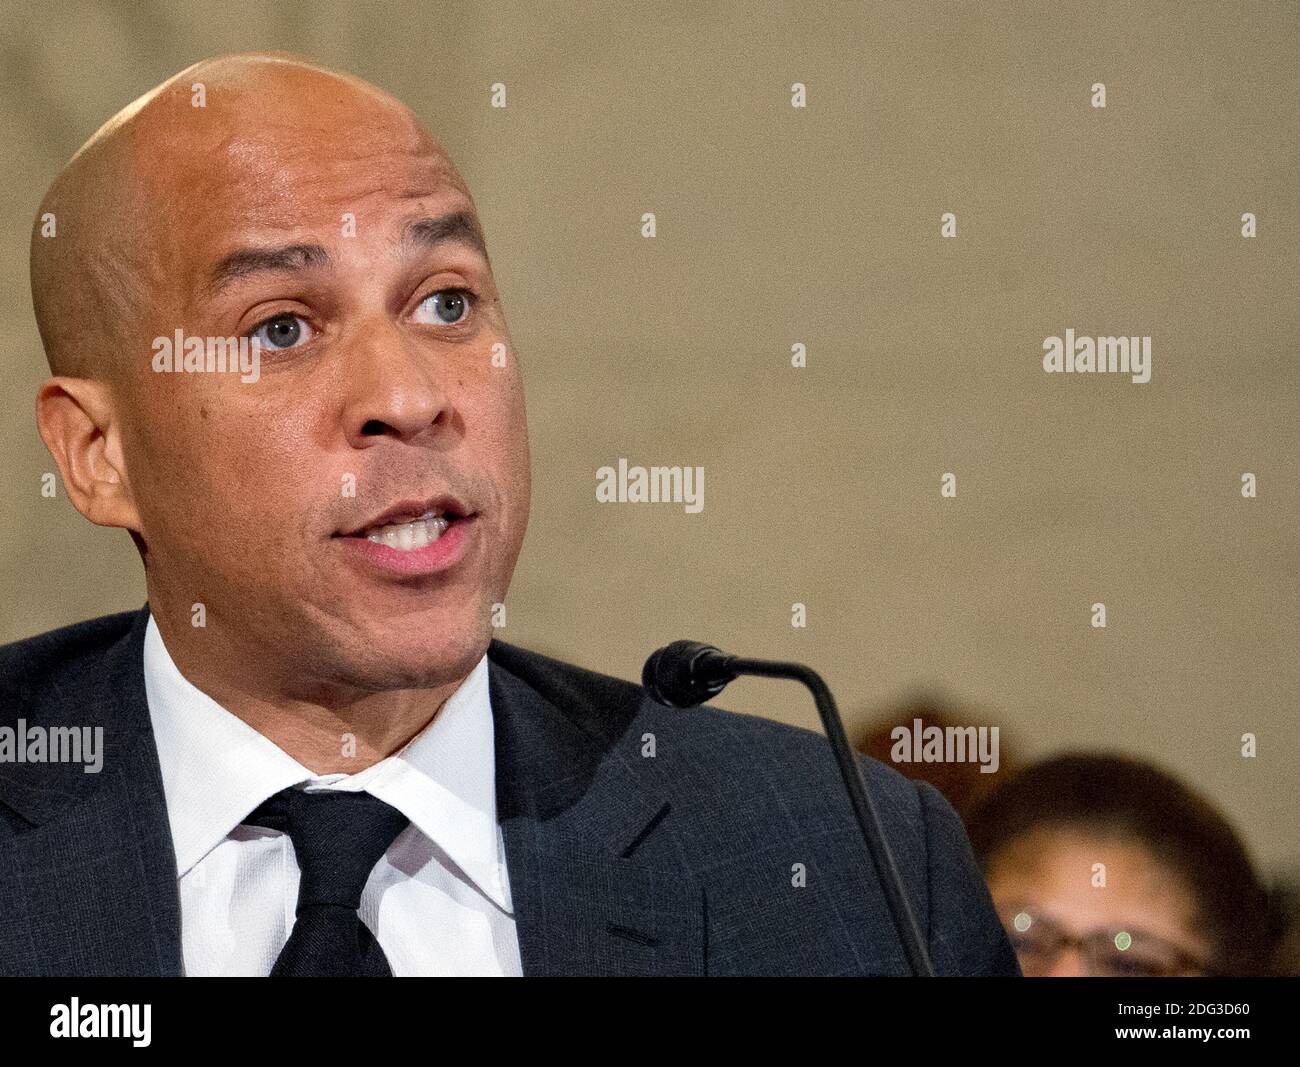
(408, 536)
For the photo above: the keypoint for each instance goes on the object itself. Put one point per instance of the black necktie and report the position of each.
(338, 838)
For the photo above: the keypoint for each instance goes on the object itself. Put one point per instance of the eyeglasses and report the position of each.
(1106, 952)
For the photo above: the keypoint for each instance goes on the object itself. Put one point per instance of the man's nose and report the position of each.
(395, 387)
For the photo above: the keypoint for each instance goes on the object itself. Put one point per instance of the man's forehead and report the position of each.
(271, 182)
(266, 155)
(273, 197)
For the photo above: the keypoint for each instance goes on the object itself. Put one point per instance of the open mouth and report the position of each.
(410, 527)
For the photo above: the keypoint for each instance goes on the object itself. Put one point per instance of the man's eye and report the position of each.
(283, 331)
(446, 307)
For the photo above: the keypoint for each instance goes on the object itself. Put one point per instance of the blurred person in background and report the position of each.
(1101, 865)
(963, 782)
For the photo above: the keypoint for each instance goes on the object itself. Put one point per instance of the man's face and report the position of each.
(388, 390)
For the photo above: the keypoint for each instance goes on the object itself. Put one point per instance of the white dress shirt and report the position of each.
(439, 900)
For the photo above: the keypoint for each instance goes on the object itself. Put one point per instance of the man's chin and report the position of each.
(415, 660)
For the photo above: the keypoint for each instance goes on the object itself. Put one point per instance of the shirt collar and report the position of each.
(216, 769)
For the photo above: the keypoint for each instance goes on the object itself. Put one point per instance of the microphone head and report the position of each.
(686, 673)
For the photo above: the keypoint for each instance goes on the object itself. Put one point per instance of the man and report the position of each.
(315, 758)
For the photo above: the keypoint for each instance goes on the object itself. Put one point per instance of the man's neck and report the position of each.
(340, 740)
(344, 733)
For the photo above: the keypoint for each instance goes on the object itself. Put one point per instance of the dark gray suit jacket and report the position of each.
(619, 863)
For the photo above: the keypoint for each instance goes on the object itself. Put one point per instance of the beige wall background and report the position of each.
(777, 226)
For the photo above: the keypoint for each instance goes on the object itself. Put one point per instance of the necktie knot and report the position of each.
(337, 838)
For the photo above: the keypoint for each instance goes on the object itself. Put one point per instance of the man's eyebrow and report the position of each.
(245, 261)
(458, 227)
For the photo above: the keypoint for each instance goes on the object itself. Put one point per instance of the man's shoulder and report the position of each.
(58, 662)
(757, 809)
(727, 753)
(604, 705)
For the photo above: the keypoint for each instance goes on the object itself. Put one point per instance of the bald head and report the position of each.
(112, 229)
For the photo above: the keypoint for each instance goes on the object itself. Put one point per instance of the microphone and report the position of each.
(687, 673)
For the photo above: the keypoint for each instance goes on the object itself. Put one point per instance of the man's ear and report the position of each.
(79, 424)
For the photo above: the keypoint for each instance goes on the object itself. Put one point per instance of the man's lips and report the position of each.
(448, 508)
(412, 550)
(412, 537)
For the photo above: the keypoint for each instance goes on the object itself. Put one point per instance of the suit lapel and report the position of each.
(595, 873)
(93, 882)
